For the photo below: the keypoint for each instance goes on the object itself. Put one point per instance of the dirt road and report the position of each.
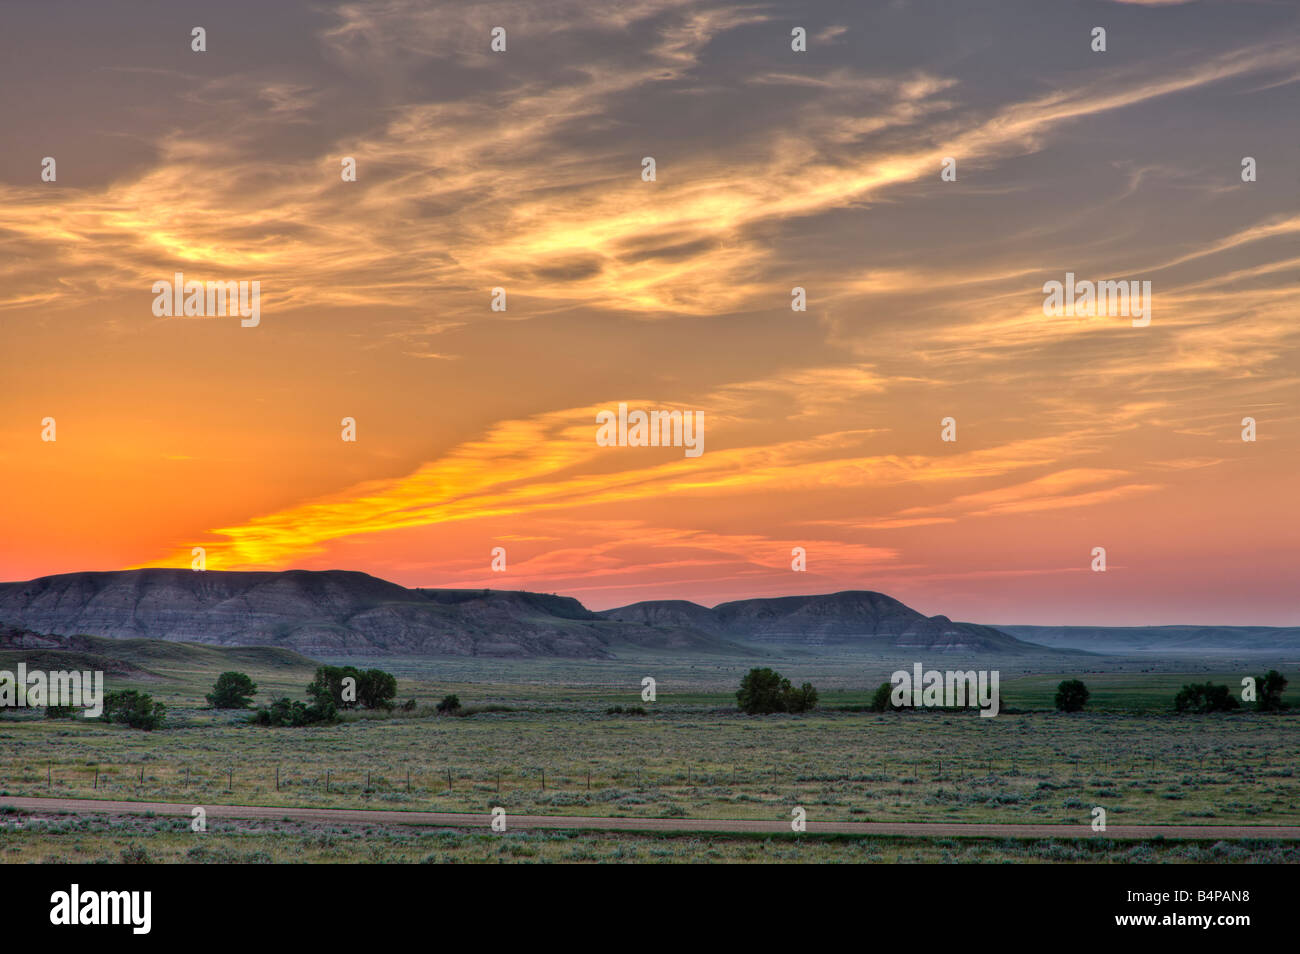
(673, 825)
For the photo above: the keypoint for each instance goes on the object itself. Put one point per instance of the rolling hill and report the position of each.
(335, 612)
(854, 618)
(338, 612)
(137, 658)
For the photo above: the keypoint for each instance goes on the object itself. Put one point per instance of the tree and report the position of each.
(329, 685)
(1071, 696)
(801, 699)
(882, 699)
(233, 690)
(136, 709)
(376, 689)
(372, 689)
(1270, 687)
(763, 691)
(1204, 697)
(286, 712)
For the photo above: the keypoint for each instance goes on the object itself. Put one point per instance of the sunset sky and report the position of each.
(775, 169)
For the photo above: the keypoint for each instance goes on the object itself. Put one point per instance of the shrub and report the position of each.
(329, 685)
(764, 691)
(450, 705)
(134, 854)
(376, 689)
(373, 689)
(233, 690)
(1071, 696)
(882, 699)
(802, 699)
(1270, 687)
(136, 709)
(1204, 697)
(630, 710)
(286, 712)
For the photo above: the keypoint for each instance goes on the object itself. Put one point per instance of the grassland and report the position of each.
(141, 840)
(553, 749)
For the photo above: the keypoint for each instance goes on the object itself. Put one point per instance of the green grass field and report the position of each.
(557, 751)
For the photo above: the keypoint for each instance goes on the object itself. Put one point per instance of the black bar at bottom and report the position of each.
(338, 904)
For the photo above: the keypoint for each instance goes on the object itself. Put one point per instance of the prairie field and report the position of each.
(134, 839)
(540, 740)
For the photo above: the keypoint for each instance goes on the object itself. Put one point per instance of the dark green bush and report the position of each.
(1269, 688)
(1071, 696)
(136, 709)
(233, 690)
(763, 691)
(881, 699)
(374, 688)
(1205, 697)
(630, 710)
(293, 713)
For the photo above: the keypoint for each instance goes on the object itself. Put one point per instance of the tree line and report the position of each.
(762, 691)
(1072, 695)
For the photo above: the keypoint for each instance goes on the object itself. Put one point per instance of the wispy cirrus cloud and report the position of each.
(775, 169)
(484, 190)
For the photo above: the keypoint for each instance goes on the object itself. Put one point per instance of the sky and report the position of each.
(774, 169)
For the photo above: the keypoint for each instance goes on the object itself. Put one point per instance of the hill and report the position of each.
(136, 658)
(338, 612)
(853, 618)
(331, 612)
